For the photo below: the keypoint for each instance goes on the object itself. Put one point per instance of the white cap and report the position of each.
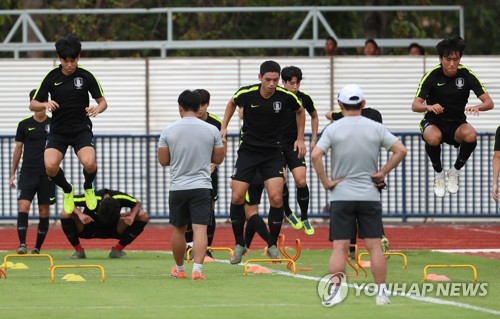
(351, 94)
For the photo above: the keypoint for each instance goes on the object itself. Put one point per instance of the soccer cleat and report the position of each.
(69, 201)
(385, 244)
(191, 255)
(115, 253)
(439, 184)
(273, 252)
(197, 276)
(177, 274)
(452, 180)
(90, 199)
(22, 249)
(80, 254)
(239, 251)
(381, 300)
(35, 251)
(294, 221)
(308, 229)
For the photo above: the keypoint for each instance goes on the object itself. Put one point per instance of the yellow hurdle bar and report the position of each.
(27, 256)
(474, 271)
(188, 253)
(290, 261)
(52, 277)
(405, 265)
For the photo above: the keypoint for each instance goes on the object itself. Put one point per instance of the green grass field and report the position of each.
(140, 287)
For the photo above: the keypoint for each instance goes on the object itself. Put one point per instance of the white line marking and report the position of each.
(480, 250)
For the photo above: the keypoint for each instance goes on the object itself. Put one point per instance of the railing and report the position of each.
(315, 18)
(129, 163)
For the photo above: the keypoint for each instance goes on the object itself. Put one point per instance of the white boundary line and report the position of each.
(480, 250)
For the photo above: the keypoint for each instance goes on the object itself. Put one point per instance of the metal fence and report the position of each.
(129, 163)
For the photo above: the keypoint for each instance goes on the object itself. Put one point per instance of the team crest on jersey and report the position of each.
(78, 83)
(277, 106)
(460, 82)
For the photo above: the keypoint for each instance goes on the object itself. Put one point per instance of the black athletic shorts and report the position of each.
(190, 206)
(269, 162)
(98, 230)
(345, 214)
(78, 141)
(30, 183)
(291, 159)
(447, 128)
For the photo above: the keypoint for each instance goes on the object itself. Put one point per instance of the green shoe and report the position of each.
(308, 229)
(294, 221)
(115, 253)
(90, 199)
(385, 244)
(79, 255)
(69, 201)
(239, 251)
(273, 252)
(22, 249)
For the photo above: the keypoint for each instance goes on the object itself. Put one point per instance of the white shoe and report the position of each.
(452, 180)
(381, 300)
(439, 184)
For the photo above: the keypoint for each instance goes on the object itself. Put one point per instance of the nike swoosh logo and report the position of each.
(31, 128)
(281, 172)
(57, 83)
(441, 84)
(252, 106)
(52, 198)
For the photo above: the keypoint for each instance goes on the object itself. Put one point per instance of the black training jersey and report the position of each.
(72, 94)
(367, 112)
(497, 140)
(290, 122)
(217, 122)
(33, 135)
(263, 118)
(452, 93)
(124, 200)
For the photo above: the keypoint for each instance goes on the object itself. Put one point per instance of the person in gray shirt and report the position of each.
(355, 142)
(188, 146)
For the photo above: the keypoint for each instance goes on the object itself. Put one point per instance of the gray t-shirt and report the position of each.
(190, 142)
(355, 142)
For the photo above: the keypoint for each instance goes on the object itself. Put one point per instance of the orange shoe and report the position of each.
(178, 275)
(197, 276)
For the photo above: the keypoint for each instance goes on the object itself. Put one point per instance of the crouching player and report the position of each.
(105, 221)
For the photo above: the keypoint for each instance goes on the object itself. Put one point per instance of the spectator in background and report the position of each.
(31, 136)
(496, 165)
(330, 46)
(416, 49)
(371, 48)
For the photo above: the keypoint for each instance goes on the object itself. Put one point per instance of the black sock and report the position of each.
(61, 181)
(465, 152)
(89, 179)
(434, 153)
(43, 228)
(286, 198)
(275, 220)
(353, 242)
(259, 226)
(22, 226)
(211, 229)
(303, 200)
(189, 233)
(249, 233)
(70, 230)
(131, 233)
(237, 214)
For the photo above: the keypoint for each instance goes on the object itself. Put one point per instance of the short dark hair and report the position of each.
(289, 72)
(205, 96)
(372, 42)
(418, 46)
(330, 38)
(351, 107)
(68, 47)
(189, 100)
(32, 94)
(449, 45)
(269, 66)
(108, 211)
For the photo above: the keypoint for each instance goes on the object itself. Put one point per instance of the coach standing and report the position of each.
(188, 146)
(355, 200)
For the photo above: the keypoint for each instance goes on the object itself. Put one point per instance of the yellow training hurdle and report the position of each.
(474, 271)
(52, 276)
(188, 252)
(27, 256)
(405, 260)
